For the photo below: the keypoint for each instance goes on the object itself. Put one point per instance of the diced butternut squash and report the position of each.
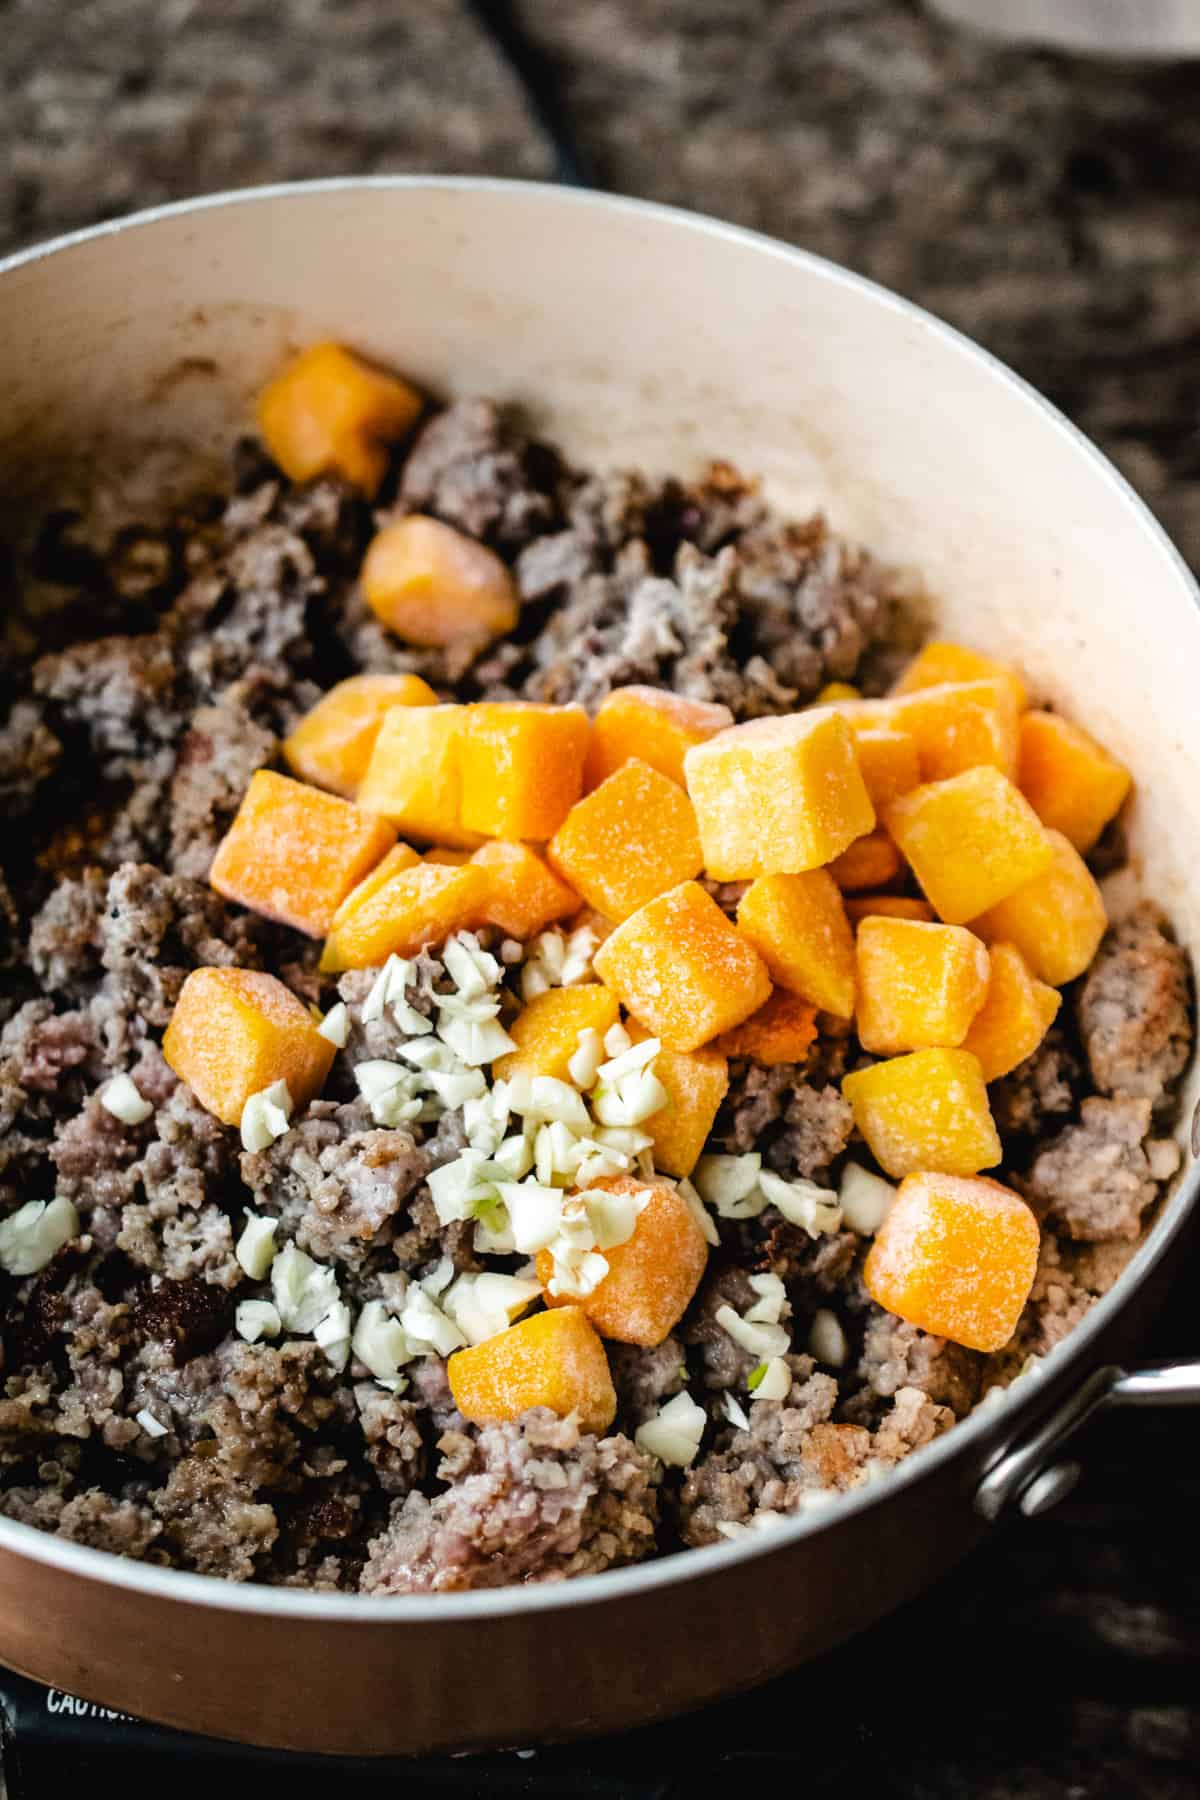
(778, 796)
(798, 925)
(928, 1110)
(885, 906)
(293, 853)
(546, 1031)
(329, 412)
(552, 1359)
(919, 986)
(437, 587)
(971, 841)
(414, 777)
(1073, 785)
(234, 1032)
(869, 861)
(960, 725)
(398, 858)
(332, 744)
(655, 726)
(1016, 1014)
(889, 763)
(782, 1031)
(837, 690)
(940, 662)
(420, 906)
(652, 1276)
(524, 894)
(956, 1256)
(448, 859)
(631, 838)
(682, 969)
(696, 1082)
(522, 767)
(1056, 920)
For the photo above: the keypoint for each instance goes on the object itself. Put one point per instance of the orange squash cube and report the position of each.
(329, 412)
(420, 906)
(869, 861)
(782, 1031)
(798, 925)
(919, 986)
(971, 841)
(1056, 920)
(398, 858)
(940, 662)
(293, 853)
(653, 725)
(955, 1256)
(437, 587)
(837, 690)
(960, 725)
(332, 744)
(414, 777)
(522, 767)
(631, 838)
(1016, 1014)
(552, 1359)
(651, 1277)
(885, 906)
(524, 894)
(682, 970)
(928, 1110)
(889, 763)
(778, 796)
(234, 1032)
(1071, 782)
(546, 1030)
(449, 859)
(696, 1082)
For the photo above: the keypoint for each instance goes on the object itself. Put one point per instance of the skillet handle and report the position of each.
(1031, 1477)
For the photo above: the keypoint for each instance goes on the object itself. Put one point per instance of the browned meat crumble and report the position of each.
(167, 666)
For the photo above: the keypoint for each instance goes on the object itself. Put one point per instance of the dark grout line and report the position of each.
(539, 82)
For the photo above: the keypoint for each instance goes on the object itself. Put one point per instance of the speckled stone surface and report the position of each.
(1048, 207)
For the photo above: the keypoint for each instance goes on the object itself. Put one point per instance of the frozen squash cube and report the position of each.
(1073, 785)
(552, 1359)
(1016, 1014)
(524, 893)
(522, 767)
(1056, 920)
(778, 796)
(655, 726)
(546, 1030)
(798, 925)
(919, 986)
(889, 763)
(955, 1256)
(652, 1276)
(696, 1082)
(940, 662)
(928, 1110)
(293, 853)
(681, 968)
(437, 587)
(837, 690)
(971, 841)
(450, 859)
(960, 725)
(332, 744)
(398, 858)
(885, 906)
(631, 838)
(414, 777)
(234, 1032)
(782, 1031)
(869, 862)
(418, 907)
(329, 412)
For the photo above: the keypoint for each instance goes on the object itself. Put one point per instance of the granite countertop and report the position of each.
(1048, 207)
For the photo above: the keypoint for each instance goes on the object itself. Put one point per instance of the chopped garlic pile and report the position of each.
(674, 1433)
(738, 1187)
(558, 960)
(761, 1333)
